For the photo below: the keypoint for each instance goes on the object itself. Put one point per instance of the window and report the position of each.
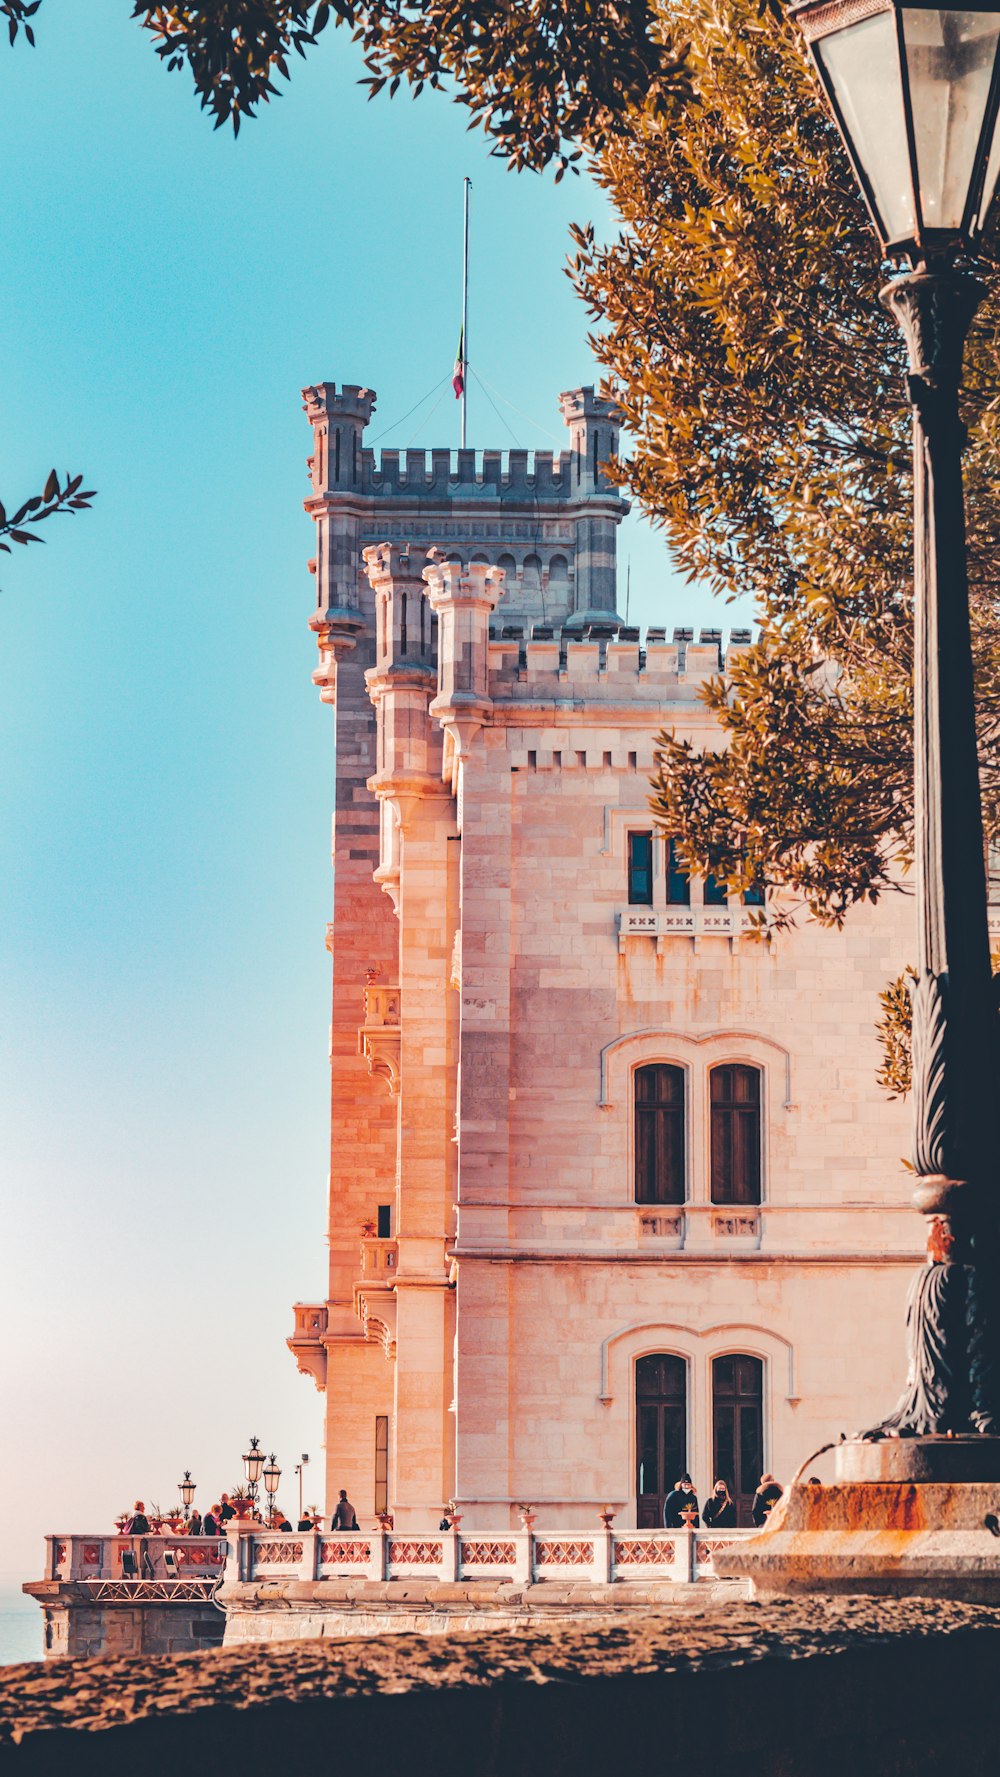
(640, 869)
(381, 1462)
(659, 1134)
(678, 880)
(660, 1434)
(716, 893)
(754, 897)
(738, 1428)
(384, 1222)
(735, 1105)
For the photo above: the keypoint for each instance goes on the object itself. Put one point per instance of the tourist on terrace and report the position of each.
(720, 1509)
(194, 1524)
(226, 1510)
(765, 1499)
(211, 1523)
(306, 1522)
(138, 1524)
(681, 1509)
(344, 1517)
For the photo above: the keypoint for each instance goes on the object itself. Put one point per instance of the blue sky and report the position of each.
(166, 766)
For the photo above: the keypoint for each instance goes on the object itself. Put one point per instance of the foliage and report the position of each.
(56, 496)
(894, 1029)
(537, 75)
(17, 13)
(540, 76)
(764, 389)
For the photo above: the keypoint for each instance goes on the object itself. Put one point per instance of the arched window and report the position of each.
(660, 1433)
(738, 1428)
(735, 1105)
(659, 1134)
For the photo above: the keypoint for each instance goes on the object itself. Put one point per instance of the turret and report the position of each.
(594, 426)
(338, 421)
(463, 602)
(593, 429)
(401, 685)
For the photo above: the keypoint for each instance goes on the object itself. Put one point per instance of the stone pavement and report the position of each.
(805, 1686)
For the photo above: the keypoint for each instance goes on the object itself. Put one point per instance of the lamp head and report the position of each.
(915, 91)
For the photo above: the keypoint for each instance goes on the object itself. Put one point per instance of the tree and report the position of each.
(56, 496)
(540, 75)
(740, 333)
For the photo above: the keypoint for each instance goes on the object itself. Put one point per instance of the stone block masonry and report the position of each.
(800, 1689)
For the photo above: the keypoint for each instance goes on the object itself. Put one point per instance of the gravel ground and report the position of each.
(97, 1694)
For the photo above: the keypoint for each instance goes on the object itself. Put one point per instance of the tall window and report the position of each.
(678, 880)
(381, 1462)
(738, 1428)
(659, 1134)
(640, 869)
(735, 1102)
(716, 893)
(660, 1434)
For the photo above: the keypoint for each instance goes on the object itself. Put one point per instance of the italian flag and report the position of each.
(458, 374)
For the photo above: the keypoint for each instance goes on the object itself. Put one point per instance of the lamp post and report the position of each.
(272, 1475)
(186, 1489)
(299, 1470)
(915, 91)
(253, 1462)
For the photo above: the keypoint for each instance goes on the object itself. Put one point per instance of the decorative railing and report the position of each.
(135, 1560)
(683, 922)
(675, 1556)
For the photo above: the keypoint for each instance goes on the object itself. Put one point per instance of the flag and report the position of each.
(458, 374)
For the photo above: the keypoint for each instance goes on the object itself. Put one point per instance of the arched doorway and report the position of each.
(660, 1433)
(738, 1427)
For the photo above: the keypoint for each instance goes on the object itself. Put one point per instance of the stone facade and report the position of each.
(509, 952)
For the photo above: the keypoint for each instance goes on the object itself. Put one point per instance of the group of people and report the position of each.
(217, 1517)
(680, 1511)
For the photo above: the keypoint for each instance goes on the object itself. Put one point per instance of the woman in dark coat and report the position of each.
(683, 1498)
(720, 1509)
(765, 1499)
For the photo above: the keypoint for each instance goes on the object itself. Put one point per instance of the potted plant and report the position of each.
(242, 1504)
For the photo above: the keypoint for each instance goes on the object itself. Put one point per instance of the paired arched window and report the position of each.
(660, 1138)
(659, 1134)
(735, 1112)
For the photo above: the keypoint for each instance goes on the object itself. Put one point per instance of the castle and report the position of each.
(613, 1191)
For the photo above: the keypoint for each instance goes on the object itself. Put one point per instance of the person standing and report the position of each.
(344, 1517)
(210, 1522)
(765, 1499)
(720, 1509)
(681, 1509)
(194, 1524)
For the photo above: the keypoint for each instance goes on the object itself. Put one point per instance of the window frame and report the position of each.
(682, 1068)
(756, 1068)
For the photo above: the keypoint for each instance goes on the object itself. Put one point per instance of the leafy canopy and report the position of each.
(739, 328)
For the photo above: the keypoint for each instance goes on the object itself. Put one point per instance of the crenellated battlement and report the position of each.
(607, 664)
(476, 474)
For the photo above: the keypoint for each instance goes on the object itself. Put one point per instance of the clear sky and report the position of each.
(165, 765)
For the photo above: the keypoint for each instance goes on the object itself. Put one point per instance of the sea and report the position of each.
(20, 1626)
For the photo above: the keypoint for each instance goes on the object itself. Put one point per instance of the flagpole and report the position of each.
(465, 307)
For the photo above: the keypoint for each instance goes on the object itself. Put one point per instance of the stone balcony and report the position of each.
(379, 1036)
(308, 1342)
(695, 923)
(375, 1291)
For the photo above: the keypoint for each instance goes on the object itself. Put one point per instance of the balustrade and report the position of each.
(671, 1556)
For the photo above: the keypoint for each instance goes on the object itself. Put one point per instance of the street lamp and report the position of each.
(186, 1489)
(253, 1462)
(299, 1470)
(915, 92)
(272, 1475)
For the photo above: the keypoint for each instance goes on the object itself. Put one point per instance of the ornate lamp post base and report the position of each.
(903, 1516)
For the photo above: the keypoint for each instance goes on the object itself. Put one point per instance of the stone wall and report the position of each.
(797, 1690)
